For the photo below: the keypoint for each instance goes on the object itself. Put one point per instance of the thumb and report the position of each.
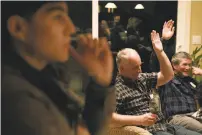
(173, 29)
(154, 115)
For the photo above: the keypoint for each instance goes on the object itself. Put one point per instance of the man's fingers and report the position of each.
(104, 44)
(157, 36)
(82, 40)
(165, 24)
(90, 41)
(172, 23)
(96, 47)
(152, 35)
(169, 23)
(173, 29)
(151, 118)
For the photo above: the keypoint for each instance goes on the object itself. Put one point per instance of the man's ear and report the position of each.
(17, 27)
(121, 68)
(175, 67)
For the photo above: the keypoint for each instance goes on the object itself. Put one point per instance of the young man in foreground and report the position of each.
(33, 102)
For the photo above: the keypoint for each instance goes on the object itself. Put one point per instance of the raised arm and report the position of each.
(166, 71)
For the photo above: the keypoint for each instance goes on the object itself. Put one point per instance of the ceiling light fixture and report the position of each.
(139, 6)
(110, 5)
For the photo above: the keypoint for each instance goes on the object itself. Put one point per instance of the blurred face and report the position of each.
(184, 67)
(117, 19)
(132, 68)
(50, 28)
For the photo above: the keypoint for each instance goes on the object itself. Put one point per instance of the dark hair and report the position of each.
(22, 8)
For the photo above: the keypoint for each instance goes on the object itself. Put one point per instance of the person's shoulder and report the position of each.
(13, 83)
(146, 75)
(12, 79)
(26, 109)
(169, 86)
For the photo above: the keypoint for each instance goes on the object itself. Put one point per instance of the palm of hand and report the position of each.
(156, 42)
(167, 33)
(168, 30)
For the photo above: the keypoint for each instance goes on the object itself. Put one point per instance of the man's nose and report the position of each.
(188, 67)
(69, 27)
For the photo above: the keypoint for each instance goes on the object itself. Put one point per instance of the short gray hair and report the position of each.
(178, 56)
(123, 55)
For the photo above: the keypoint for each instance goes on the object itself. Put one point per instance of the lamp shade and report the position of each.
(139, 6)
(110, 5)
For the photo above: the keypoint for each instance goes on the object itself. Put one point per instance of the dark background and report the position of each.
(81, 13)
(154, 13)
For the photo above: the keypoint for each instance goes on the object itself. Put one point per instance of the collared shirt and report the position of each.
(177, 96)
(133, 97)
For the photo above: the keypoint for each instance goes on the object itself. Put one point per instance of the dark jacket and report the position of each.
(37, 103)
(26, 108)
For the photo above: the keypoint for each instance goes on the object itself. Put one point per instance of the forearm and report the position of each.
(119, 120)
(166, 71)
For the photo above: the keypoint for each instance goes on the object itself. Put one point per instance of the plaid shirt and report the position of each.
(133, 98)
(177, 96)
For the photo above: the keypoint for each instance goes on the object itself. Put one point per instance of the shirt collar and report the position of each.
(178, 79)
(126, 80)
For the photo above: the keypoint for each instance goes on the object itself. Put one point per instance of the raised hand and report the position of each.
(148, 119)
(95, 56)
(156, 42)
(168, 30)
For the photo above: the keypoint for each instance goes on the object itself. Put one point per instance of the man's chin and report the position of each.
(63, 59)
(185, 74)
(135, 77)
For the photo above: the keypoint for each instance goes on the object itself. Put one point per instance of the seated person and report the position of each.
(198, 114)
(178, 96)
(199, 98)
(133, 90)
